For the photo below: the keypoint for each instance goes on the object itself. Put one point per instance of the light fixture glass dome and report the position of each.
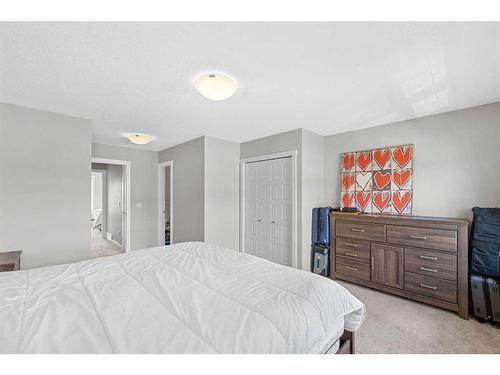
(215, 86)
(139, 138)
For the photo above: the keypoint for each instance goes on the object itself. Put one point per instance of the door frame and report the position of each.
(127, 166)
(278, 155)
(161, 202)
(104, 176)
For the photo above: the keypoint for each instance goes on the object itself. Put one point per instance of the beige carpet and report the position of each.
(101, 247)
(398, 325)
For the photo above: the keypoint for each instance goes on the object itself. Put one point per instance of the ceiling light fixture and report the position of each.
(215, 86)
(139, 138)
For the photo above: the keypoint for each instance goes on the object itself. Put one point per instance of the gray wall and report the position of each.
(222, 192)
(188, 189)
(312, 187)
(114, 220)
(457, 159)
(144, 189)
(287, 141)
(44, 185)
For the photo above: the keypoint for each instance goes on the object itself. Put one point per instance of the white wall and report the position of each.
(222, 192)
(188, 189)
(44, 185)
(144, 189)
(457, 159)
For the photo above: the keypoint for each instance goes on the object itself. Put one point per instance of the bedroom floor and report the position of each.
(396, 325)
(101, 247)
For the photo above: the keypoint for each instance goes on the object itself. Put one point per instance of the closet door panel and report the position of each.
(280, 239)
(255, 209)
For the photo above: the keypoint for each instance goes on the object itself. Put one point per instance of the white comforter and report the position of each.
(185, 298)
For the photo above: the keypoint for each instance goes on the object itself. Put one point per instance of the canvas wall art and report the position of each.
(379, 180)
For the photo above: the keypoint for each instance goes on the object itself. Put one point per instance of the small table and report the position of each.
(10, 261)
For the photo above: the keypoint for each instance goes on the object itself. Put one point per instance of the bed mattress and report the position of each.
(186, 298)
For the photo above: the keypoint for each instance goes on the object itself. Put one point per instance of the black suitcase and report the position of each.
(480, 301)
(485, 242)
(319, 260)
(494, 297)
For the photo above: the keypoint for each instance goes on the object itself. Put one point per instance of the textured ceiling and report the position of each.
(325, 77)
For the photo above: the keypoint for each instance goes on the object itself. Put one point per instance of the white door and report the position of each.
(268, 210)
(124, 206)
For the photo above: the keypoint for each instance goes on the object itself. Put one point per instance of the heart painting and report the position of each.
(379, 180)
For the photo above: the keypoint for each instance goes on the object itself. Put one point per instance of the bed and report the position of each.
(190, 297)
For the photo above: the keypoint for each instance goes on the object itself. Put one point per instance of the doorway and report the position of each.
(165, 203)
(110, 207)
(268, 207)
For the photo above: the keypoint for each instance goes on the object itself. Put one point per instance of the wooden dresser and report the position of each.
(421, 258)
(10, 261)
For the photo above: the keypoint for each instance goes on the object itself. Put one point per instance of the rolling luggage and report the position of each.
(480, 301)
(320, 233)
(485, 242)
(319, 260)
(494, 297)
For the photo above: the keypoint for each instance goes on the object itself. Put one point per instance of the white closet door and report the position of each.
(268, 210)
(280, 211)
(255, 209)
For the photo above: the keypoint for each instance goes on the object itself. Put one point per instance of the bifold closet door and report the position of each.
(268, 210)
(255, 208)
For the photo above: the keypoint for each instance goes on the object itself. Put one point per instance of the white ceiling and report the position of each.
(325, 77)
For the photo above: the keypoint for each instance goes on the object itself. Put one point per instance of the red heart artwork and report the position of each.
(382, 179)
(400, 201)
(381, 157)
(362, 198)
(347, 199)
(400, 178)
(347, 181)
(364, 160)
(402, 157)
(381, 199)
(348, 161)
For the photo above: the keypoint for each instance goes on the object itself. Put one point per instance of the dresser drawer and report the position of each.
(434, 239)
(371, 232)
(431, 287)
(7, 267)
(431, 263)
(353, 268)
(353, 249)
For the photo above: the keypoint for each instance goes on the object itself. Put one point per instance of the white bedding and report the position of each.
(185, 298)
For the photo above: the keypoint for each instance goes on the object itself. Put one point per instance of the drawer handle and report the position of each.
(358, 230)
(373, 263)
(351, 268)
(414, 236)
(427, 269)
(428, 286)
(351, 254)
(428, 257)
(351, 244)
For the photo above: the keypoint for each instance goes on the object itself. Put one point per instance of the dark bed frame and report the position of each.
(347, 343)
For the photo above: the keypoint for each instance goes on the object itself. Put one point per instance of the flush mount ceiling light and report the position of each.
(139, 138)
(215, 86)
